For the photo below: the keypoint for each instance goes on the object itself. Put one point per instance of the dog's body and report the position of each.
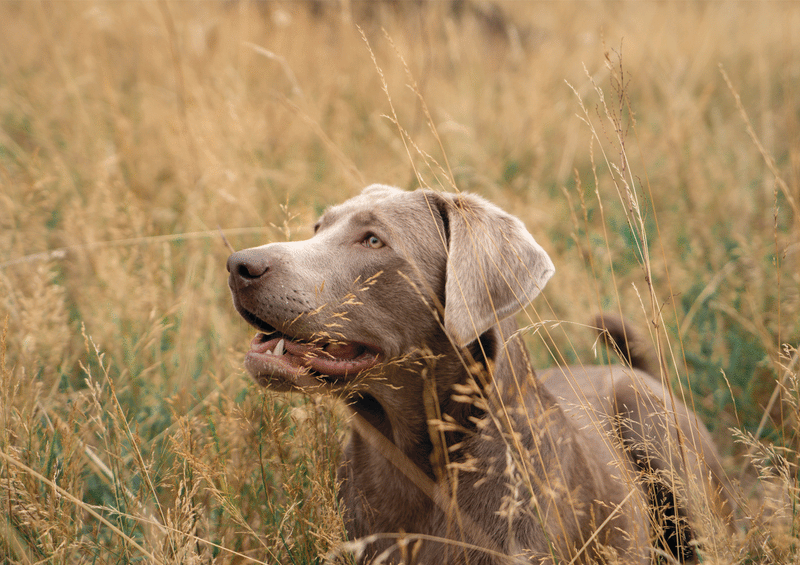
(401, 305)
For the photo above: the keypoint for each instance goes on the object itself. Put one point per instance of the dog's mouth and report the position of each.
(306, 364)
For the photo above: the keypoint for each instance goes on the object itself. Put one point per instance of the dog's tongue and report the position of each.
(332, 351)
(343, 350)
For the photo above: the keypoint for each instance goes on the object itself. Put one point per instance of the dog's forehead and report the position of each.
(385, 206)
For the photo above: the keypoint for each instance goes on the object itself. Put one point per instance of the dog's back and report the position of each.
(629, 418)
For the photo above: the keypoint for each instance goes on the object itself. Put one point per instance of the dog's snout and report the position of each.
(248, 265)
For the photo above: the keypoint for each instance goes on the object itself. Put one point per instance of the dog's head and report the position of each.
(386, 273)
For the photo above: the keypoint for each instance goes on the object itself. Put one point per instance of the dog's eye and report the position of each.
(372, 241)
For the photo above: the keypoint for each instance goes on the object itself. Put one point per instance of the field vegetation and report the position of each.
(652, 148)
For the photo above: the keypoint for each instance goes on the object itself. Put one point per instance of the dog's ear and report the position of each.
(494, 266)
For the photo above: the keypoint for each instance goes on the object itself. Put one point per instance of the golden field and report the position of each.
(652, 148)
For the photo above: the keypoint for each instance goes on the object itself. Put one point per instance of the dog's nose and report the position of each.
(248, 264)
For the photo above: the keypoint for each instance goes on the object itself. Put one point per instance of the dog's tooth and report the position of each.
(279, 348)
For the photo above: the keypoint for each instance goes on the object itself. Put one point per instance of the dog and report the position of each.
(402, 305)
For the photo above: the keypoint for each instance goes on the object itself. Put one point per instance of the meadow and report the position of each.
(652, 148)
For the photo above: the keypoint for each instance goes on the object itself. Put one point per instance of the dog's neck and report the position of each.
(432, 402)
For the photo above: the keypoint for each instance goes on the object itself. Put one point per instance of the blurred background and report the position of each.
(652, 148)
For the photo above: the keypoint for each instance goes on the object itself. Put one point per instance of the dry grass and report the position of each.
(653, 148)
